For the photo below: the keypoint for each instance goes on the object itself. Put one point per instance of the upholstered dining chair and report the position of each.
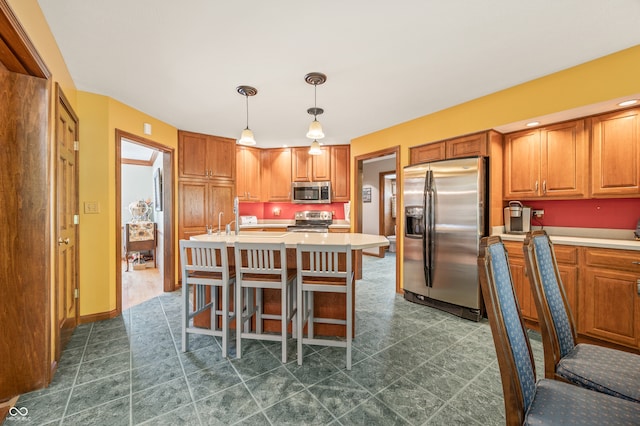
(527, 401)
(606, 370)
(324, 268)
(205, 266)
(261, 266)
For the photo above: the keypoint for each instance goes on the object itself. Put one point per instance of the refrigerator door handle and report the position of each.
(428, 240)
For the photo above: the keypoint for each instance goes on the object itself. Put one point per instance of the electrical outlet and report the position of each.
(538, 213)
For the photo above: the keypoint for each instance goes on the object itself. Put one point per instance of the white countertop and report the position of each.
(603, 238)
(291, 239)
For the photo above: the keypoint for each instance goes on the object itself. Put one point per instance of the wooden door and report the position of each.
(321, 165)
(340, 173)
(192, 155)
(248, 176)
(564, 160)
(221, 158)
(615, 165)
(276, 175)
(25, 240)
(194, 208)
(220, 199)
(66, 184)
(428, 152)
(301, 165)
(610, 306)
(522, 165)
(467, 146)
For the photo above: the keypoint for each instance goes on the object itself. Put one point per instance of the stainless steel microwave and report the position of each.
(311, 192)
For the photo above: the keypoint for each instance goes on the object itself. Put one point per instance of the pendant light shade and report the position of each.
(315, 128)
(246, 138)
(315, 148)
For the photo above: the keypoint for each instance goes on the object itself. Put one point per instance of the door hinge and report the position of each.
(76, 146)
(76, 293)
(76, 219)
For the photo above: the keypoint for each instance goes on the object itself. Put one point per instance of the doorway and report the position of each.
(144, 200)
(364, 189)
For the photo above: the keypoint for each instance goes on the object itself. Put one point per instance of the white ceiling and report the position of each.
(386, 62)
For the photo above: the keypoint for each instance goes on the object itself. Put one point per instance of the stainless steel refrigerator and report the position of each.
(445, 211)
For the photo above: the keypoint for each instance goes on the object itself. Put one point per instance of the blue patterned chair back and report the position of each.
(512, 343)
(545, 261)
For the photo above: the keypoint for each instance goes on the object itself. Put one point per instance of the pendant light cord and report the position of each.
(247, 99)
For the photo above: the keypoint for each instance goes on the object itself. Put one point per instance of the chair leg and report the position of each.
(299, 316)
(185, 317)
(259, 310)
(311, 315)
(283, 319)
(239, 318)
(225, 318)
(349, 324)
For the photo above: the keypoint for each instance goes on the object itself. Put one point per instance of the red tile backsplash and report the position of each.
(602, 213)
(287, 210)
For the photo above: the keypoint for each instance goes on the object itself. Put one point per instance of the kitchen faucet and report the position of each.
(236, 212)
(219, 220)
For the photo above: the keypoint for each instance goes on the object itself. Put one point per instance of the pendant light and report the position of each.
(315, 128)
(246, 138)
(315, 148)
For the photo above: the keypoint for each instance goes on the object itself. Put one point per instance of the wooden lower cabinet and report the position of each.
(609, 301)
(567, 257)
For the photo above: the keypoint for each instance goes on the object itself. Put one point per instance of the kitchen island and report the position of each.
(330, 305)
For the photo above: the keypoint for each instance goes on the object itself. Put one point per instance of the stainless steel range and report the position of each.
(312, 221)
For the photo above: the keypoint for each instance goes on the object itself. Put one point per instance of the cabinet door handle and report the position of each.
(635, 263)
(544, 186)
(638, 284)
(61, 241)
(536, 186)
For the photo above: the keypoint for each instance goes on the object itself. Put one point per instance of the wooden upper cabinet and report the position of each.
(467, 146)
(205, 156)
(276, 174)
(300, 165)
(521, 164)
(340, 173)
(550, 162)
(429, 152)
(248, 179)
(321, 165)
(615, 165)
(476, 144)
(310, 168)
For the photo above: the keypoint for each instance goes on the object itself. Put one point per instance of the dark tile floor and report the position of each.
(412, 365)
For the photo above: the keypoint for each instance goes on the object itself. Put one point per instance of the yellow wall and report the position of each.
(606, 78)
(100, 116)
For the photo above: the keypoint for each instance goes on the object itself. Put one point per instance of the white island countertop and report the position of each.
(291, 239)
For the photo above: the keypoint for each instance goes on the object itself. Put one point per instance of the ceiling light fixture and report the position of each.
(629, 102)
(315, 128)
(532, 123)
(246, 138)
(315, 148)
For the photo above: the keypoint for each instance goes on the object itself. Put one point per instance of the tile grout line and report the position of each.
(75, 378)
(179, 351)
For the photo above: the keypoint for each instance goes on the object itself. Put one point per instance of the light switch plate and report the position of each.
(91, 207)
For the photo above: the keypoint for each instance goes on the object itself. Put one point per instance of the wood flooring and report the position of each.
(140, 285)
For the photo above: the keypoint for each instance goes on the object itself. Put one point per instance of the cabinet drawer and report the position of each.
(514, 249)
(567, 255)
(613, 259)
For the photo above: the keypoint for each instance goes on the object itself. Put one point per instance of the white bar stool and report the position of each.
(262, 266)
(205, 264)
(327, 269)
